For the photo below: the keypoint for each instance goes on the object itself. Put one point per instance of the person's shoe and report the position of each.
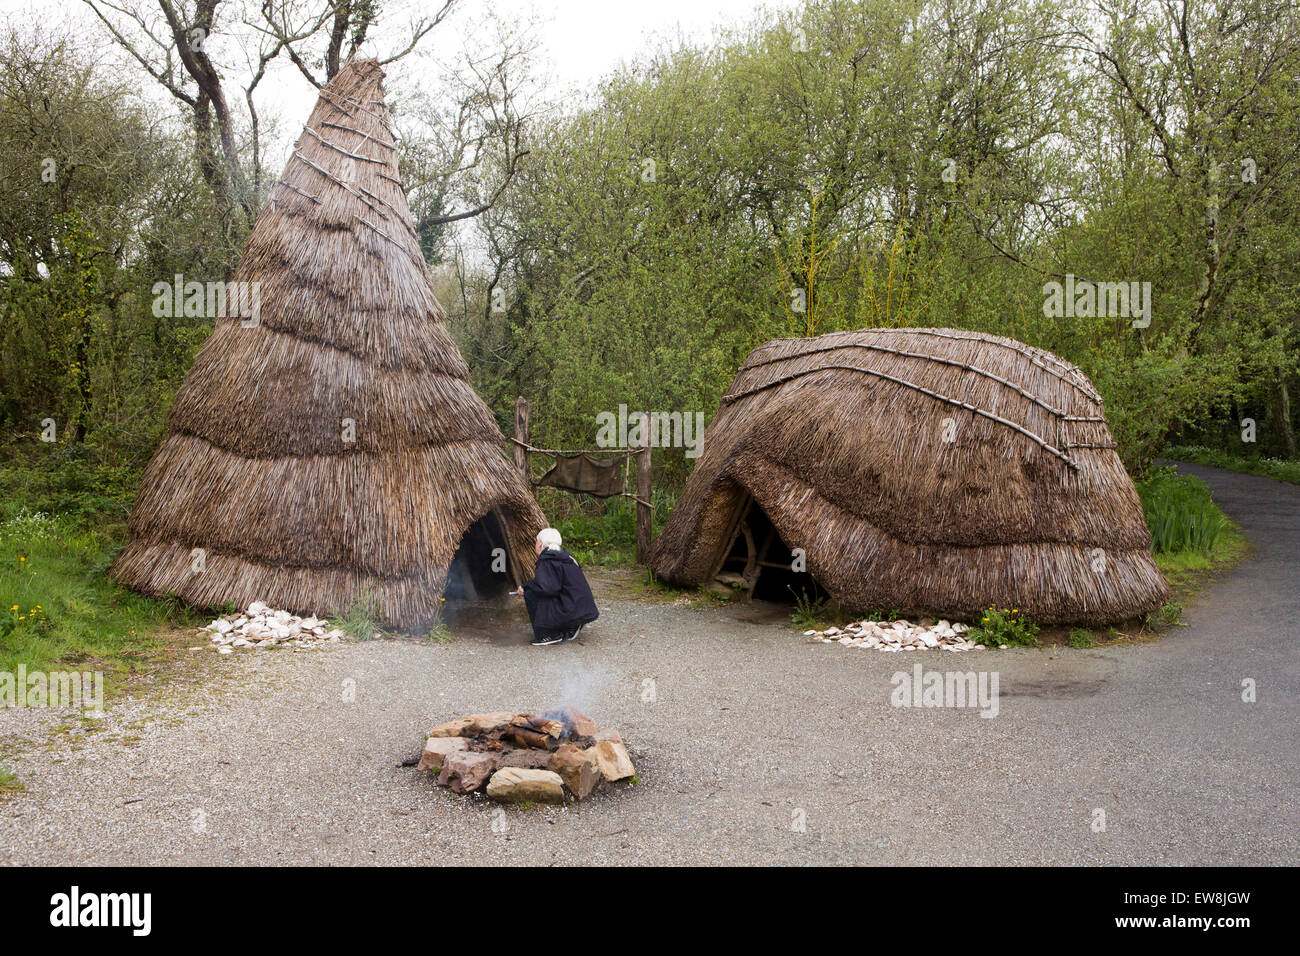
(543, 641)
(573, 635)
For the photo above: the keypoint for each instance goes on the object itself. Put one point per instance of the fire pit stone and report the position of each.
(526, 758)
(466, 770)
(613, 761)
(436, 750)
(476, 725)
(519, 784)
(577, 768)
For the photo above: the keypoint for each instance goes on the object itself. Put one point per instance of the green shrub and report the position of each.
(601, 532)
(1081, 639)
(605, 538)
(998, 626)
(1180, 512)
(807, 610)
(1167, 615)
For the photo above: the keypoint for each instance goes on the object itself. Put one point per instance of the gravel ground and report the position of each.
(744, 732)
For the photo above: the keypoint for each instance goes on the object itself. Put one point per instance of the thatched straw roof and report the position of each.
(256, 469)
(840, 439)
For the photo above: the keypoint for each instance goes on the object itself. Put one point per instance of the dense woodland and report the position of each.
(847, 164)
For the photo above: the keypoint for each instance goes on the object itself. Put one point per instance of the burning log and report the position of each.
(541, 725)
(524, 737)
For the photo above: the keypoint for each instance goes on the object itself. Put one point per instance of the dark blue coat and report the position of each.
(559, 596)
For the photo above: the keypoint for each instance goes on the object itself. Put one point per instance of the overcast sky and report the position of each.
(579, 41)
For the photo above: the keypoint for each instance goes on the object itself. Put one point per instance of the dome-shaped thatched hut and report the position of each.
(331, 448)
(919, 470)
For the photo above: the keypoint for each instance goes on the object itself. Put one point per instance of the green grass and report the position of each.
(1081, 639)
(1166, 616)
(600, 539)
(1282, 469)
(360, 621)
(58, 607)
(9, 783)
(62, 521)
(438, 633)
(1190, 537)
(884, 617)
(1181, 514)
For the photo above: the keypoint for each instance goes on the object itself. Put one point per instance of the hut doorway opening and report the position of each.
(760, 563)
(482, 568)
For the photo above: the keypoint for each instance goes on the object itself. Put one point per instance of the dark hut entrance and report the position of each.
(471, 576)
(759, 562)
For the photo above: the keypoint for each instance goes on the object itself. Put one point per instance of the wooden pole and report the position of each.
(521, 435)
(643, 493)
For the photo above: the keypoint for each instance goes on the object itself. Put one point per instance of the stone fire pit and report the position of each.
(525, 758)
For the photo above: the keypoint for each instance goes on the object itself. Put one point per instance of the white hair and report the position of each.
(550, 538)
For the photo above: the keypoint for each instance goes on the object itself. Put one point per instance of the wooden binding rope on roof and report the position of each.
(357, 132)
(1070, 374)
(930, 358)
(854, 468)
(304, 195)
(728, 399)
(340, 149)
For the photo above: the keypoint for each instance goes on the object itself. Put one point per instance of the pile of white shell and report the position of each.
(898, 636)
(261, 626)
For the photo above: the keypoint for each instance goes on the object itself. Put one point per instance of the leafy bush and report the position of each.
(1000, 626)
(607, 537)
(1180, 512)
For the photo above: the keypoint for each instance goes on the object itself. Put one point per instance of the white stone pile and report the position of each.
(898, 636)
(261, 626)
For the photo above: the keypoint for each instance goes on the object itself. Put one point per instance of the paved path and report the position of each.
(749, 731)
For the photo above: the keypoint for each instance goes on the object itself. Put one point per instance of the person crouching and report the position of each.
(558, 597)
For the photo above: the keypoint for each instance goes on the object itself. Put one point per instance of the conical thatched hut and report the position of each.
(920, 470)
(332, 449)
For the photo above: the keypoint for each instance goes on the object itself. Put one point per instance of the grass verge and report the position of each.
(1280, 468)
(61, 524)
